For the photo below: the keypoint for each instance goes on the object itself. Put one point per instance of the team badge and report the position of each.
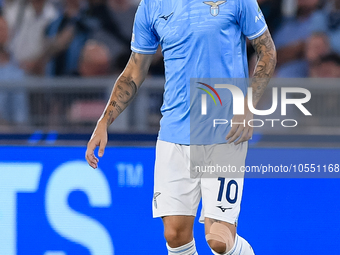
(214, 7)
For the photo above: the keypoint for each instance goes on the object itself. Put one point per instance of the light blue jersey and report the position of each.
(199, 39)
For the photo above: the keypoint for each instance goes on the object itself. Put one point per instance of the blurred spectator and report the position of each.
(102, 18)
(317, 46)
(27, 21)
(94, 60)
(271, 10)
(328, 20)
(13, 103)
(112, 25)
(7, 67)
(288, 8)
(124, 14)
(290, 38)
(327, 67)
(68, 34)
(71, 30)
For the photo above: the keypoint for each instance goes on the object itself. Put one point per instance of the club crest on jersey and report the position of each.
(214, 7)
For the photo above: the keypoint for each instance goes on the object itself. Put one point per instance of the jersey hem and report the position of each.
(143, 51)
(171, 141)
(251, 37)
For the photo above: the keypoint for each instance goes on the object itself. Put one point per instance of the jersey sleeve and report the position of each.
(251, 19)
(144, 39)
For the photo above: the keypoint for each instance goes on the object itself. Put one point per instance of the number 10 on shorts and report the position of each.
(231, 198)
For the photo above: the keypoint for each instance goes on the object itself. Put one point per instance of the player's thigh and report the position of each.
(175, 193)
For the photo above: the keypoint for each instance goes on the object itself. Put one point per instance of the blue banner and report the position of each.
(53, 203)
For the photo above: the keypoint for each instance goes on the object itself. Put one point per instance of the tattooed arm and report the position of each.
(266, 62)
(124, 90)
(126, 86)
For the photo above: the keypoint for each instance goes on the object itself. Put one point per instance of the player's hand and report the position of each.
(98, 138)
(241, 132)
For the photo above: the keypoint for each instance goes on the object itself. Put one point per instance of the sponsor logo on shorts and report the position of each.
(224, 209)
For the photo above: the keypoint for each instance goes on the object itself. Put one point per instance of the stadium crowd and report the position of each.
(91, 37)
(87, 38)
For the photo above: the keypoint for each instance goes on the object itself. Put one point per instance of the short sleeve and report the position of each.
(251, 19)
(144, 39)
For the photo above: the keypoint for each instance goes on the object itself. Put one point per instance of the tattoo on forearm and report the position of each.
(116, 106)
(110, 118)
(125, 90)
(266, 62)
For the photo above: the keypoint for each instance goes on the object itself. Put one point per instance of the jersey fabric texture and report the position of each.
(199, 39)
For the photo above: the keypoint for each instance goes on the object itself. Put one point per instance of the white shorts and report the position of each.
(177, 193)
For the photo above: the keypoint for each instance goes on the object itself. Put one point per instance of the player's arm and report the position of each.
(264, 69)
(265, 66)
(122, 94)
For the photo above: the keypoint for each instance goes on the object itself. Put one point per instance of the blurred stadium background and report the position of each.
(58, 62)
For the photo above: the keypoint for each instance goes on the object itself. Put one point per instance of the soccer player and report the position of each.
(199, 39)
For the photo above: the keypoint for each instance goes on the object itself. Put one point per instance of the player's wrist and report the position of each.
(102, 124)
